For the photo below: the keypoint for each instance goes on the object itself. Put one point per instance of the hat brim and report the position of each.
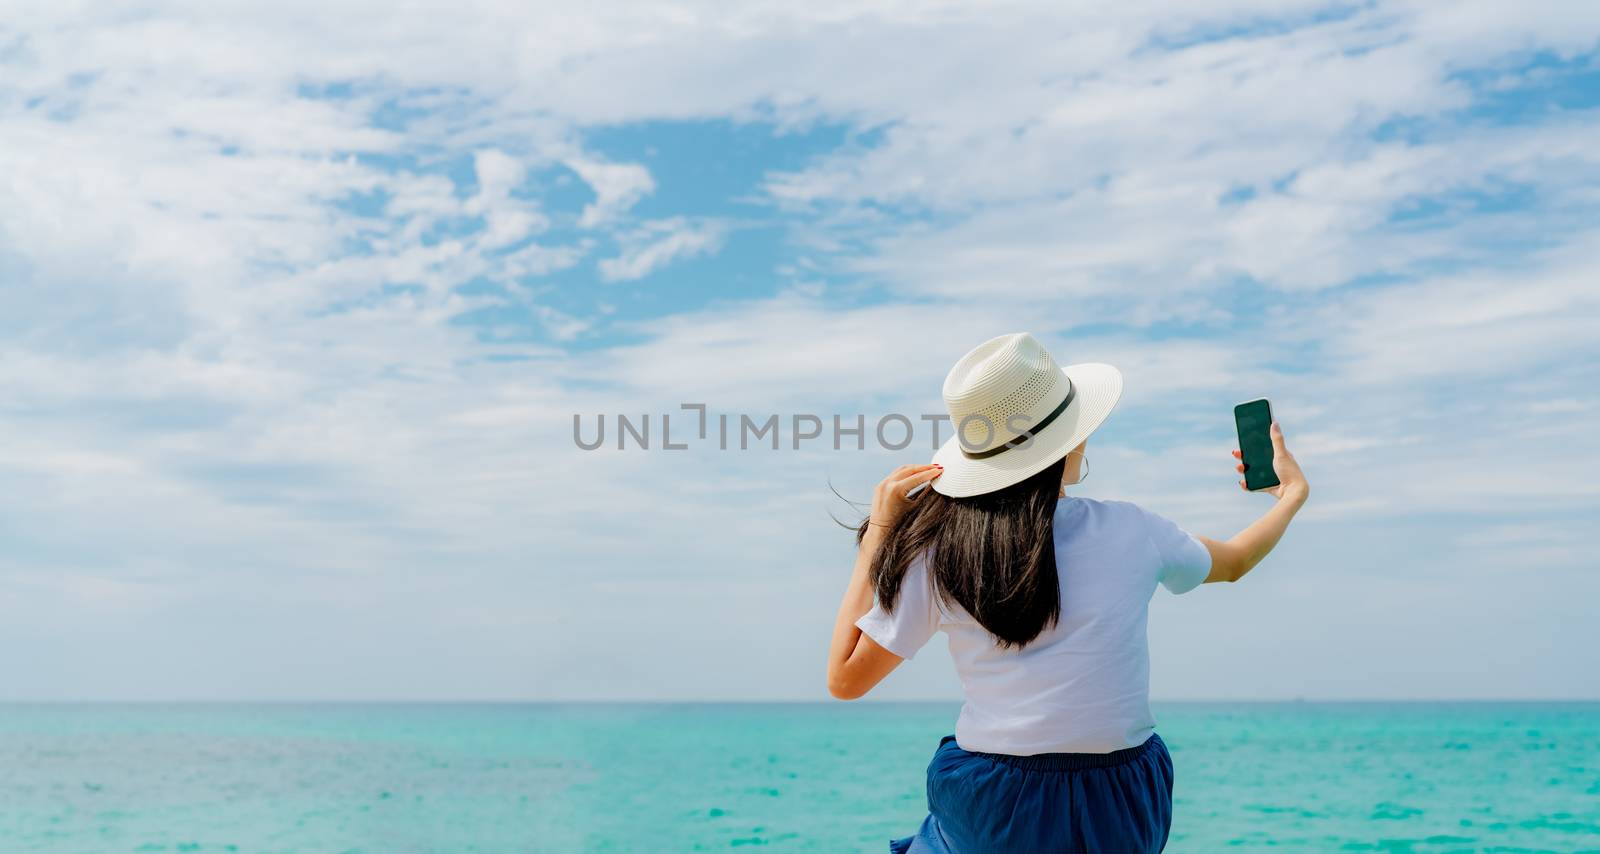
(1099, 386)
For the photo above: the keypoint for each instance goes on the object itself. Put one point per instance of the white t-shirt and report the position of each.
(1083, 685)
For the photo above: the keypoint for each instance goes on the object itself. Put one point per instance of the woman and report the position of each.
(1044, 599)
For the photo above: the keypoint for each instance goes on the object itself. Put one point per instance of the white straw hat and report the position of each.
(1015, 412)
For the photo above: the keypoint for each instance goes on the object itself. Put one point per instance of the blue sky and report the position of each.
(295, 312)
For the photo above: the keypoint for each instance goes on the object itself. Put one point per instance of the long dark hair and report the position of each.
(992, 554)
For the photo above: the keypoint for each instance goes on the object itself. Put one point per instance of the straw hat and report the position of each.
(1015, 412)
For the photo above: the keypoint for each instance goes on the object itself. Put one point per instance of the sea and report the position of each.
(834, 777)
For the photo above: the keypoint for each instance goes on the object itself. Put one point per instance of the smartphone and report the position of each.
(1254, 420)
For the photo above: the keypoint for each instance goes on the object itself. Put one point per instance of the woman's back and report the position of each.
(1082, 686)
(1055, 749)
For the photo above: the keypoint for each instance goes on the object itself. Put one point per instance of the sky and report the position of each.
(298, 302)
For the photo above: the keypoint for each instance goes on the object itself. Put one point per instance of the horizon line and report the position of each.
(775, 702)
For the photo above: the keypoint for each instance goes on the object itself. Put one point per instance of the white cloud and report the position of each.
(1475, 327)
(660, 242)
(508, 220)
(616, 186)
(562, 326)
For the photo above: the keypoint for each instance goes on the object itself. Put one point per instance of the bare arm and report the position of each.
(1232, 558)
(856, 663)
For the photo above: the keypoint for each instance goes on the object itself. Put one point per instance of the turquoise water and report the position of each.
(824, 777)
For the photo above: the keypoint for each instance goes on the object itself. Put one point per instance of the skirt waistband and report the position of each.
(1070, 761)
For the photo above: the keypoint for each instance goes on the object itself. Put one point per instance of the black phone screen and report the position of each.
(1254, 420)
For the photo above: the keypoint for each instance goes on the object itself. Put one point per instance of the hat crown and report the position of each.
(1005, 378)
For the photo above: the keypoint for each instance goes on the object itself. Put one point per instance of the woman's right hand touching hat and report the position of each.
(890, 499)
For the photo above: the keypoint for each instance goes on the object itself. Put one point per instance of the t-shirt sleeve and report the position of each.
(915, 618)
(1185, 561)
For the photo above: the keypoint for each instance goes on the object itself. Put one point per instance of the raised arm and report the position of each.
(1231, 559)
(856, 662)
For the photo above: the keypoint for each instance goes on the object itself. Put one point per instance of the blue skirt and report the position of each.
(989, 802)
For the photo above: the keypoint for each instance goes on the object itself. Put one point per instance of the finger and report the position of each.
(1239, 468)
(1237, 455)
(1243, 487)
(900, 473)
(1277, 439)
(907, 484)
